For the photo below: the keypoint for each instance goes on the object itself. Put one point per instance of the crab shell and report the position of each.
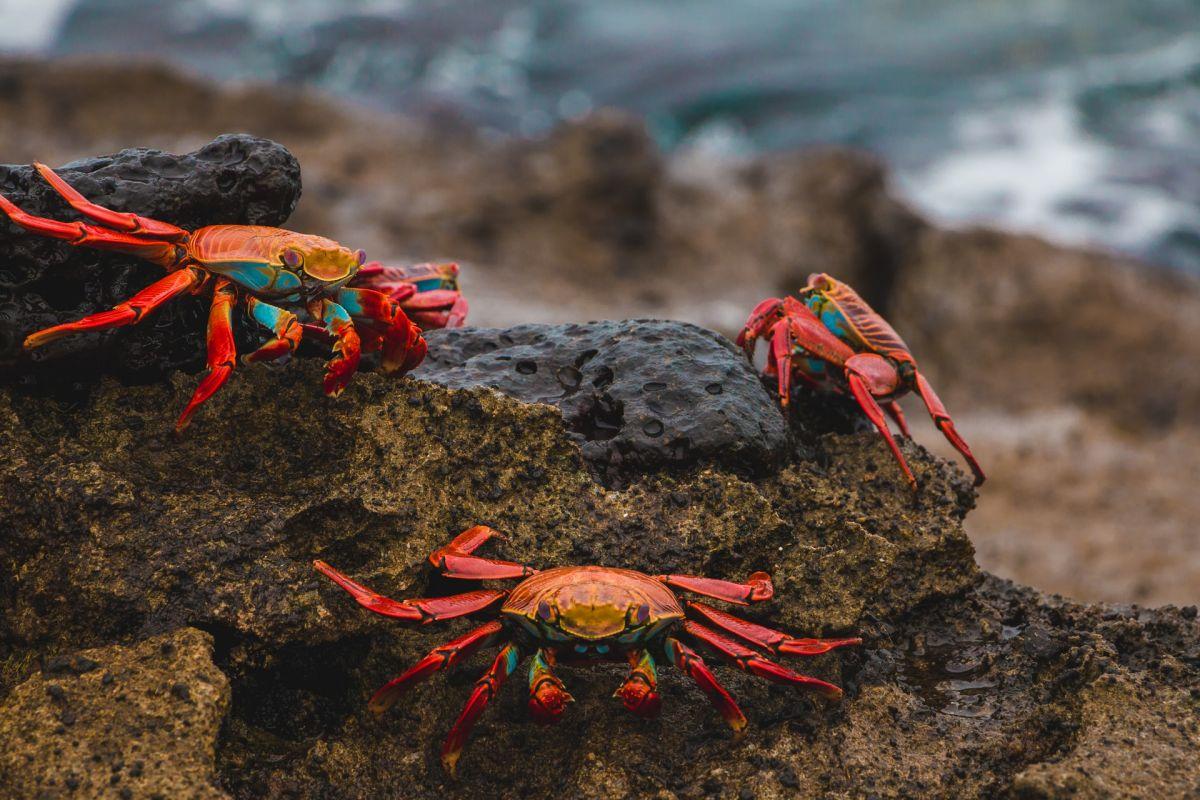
(596, 609)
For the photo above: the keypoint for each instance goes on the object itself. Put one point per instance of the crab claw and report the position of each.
(548, 701)
(639, 698)
(764, 315)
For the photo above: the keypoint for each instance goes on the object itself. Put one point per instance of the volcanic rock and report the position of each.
(43, 281)
(121, 533)
(138, 721)
(635, 394)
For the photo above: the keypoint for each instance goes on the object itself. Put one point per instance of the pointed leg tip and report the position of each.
(450, 765)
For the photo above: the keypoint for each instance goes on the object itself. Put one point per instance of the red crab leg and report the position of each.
(442, 657)
(639, 692)
(437, 308)
(222, 352)
(548, 697)
(686, 659)
(800, 328)
(81, 234)
(747, 660)
(423, 610)
(403, 346)
(869, 375)
(346, 346)
(486, 688)
(896, 413)
(282, 323)
(130, 312)
(941, 418)
(757, 588)
(766, 638)
(455, 559)
(122, 221)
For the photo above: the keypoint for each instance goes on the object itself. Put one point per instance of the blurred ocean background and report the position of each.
(1075, 119)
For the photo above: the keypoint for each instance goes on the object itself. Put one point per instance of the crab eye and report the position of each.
(544, 612)
(643, 614)
(361, 257)
(293, 258)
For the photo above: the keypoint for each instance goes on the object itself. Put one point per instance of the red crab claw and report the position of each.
(639, 697)
(548, 700)
(764, 315)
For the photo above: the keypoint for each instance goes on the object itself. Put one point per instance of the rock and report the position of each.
(118, 731)
(43, 282)
(634, 394)
(120, 532)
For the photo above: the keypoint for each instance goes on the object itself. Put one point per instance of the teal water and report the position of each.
(1078, 119)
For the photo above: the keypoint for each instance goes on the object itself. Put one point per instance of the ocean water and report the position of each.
(1076, 119)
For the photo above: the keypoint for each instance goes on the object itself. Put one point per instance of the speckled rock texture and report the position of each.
(966, 686)
(43, 282)
(138, 721)
(634, 393)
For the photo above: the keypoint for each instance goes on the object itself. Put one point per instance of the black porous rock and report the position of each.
(634, 393)
(235, 179)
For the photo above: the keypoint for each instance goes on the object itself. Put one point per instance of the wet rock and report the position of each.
(43, 282)
(81, 736)
(634, 393)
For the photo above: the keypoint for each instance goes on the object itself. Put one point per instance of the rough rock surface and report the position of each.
(43, 282)
(138, 721)
(120, 531)
(634, 393)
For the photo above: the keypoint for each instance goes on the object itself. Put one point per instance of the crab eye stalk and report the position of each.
(292, 258)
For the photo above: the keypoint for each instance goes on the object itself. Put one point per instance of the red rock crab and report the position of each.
(284, 280)
(588, 614)
(830, 338)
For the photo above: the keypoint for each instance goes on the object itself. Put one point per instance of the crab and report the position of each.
(829, 338)
(587, 614)
(282, 279)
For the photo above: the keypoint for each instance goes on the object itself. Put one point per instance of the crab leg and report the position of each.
(487, 687)
(130, 312)
(121, 221)
(283, 323)
(442, 657)
(548, 697)
(428, 293)
(747, 660)
(81, 234)
(941, 418)
(639, 692)
(772, 640)
(403, 346)
(455, 559)
(222, 352)
(422, 610)
(686, 659)
(756, 589)
(346, 345)
(896, 413)
(800, 329)
(869, 375)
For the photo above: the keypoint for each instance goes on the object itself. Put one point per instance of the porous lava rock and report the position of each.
(120, 533)
(634, 393)
(43, 281)
(137, 721)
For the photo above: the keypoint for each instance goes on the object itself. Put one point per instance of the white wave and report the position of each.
(1033, 167)
(30, 25)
